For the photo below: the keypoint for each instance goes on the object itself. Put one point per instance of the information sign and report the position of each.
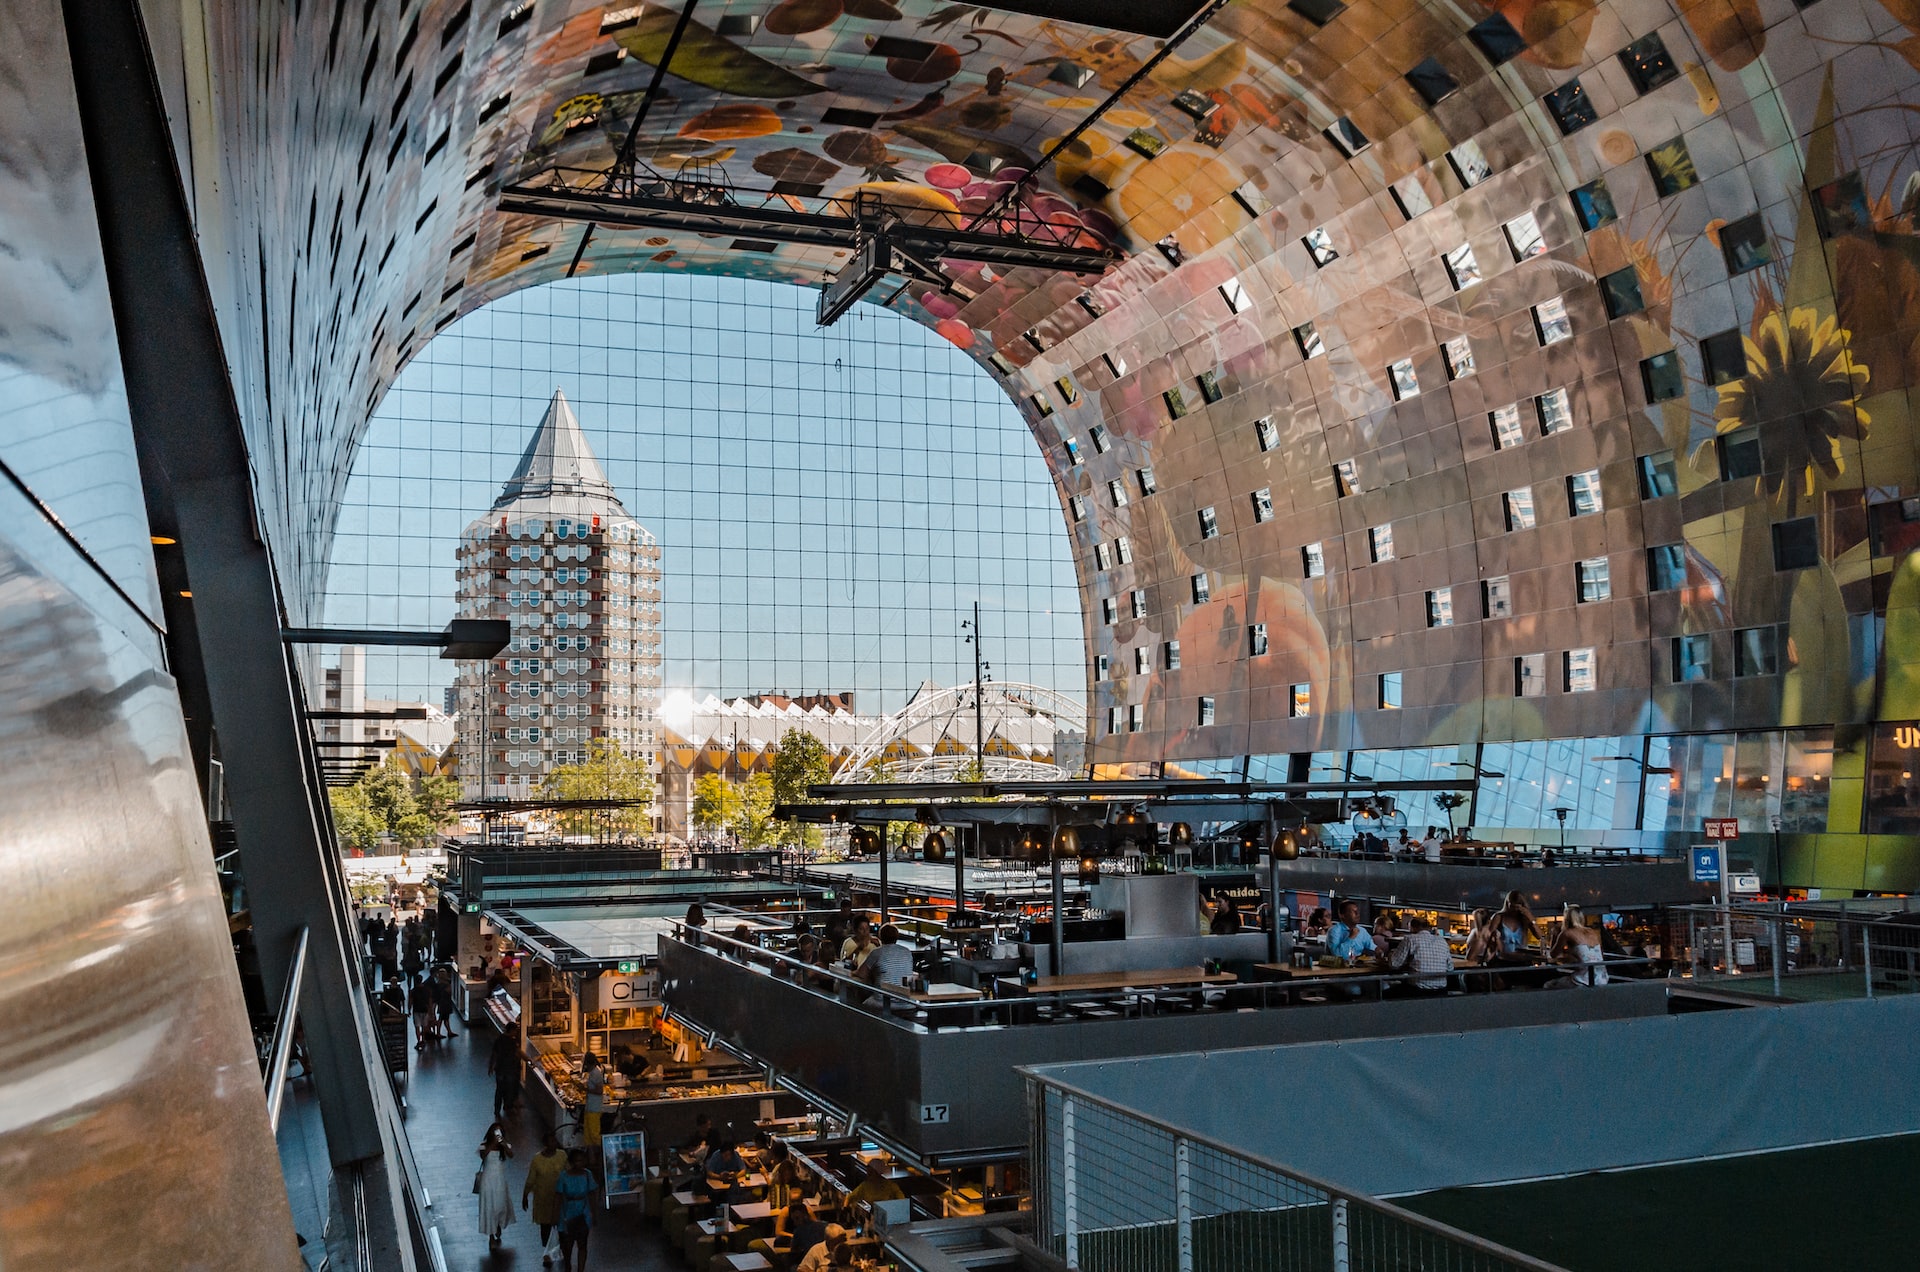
(624, 1163)
(1705, 860)
(1722, 827)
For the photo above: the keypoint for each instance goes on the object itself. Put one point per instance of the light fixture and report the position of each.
(1286, 845)
(162, 541)
(935, 847)
(1180, 835)
(1066, 842)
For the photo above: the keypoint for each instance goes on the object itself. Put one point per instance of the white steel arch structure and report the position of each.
(938, 713)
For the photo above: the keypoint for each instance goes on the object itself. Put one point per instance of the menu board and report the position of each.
(624, 1163)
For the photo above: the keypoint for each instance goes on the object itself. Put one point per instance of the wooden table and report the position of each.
(1289, 972)
(752, 1212)
(692, 1200)
(944, 992)
(1092, 982)
(748, 1262)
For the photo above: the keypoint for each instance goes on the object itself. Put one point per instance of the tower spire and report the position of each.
(557, 460)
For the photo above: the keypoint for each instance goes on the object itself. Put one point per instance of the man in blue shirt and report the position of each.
(1348, 939)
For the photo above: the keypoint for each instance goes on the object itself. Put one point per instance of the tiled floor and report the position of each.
(449, 1106)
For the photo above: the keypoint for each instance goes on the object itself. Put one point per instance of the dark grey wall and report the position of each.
(1465, 887)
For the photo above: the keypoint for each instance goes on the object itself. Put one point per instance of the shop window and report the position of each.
(1263, 504)
(1469, 163)
(1579, 671)
(1201, 590)
(1345, 480)
(1756, 651)
(1672, 168)
(1662, 377)
(1593, 205)
(1406, 383)
(1648, 63)
(1841, 207)
(1796, 544)
(1313, 559)
(1666, 567)
(1692, 658)
(1496, 597)
(1658, 475)
(1389, 684)
(1739, 453)
(1432, 81)
(1143, 477)
(1440, 607)
(1723, 356)
(1744, 245)
(1893, 779)
(1621, 291)
(1209, 524)
(1530, 675)
(1320, 247)
(1411, 197)
(1519, 508)
(1380, 543)
(1458, 353)
(1524, 239)
(1206, 712)
(1570, 107)
(1555, 411)
(1462, 269)
(1299, 701)
(1505, 423)
(1170, 655)
(1308, 339)
(1496, 38)
(1346, 137)
(1594, 579)
(1257, 640)
(1583, 493)
(1266, 432)
(1550, 321)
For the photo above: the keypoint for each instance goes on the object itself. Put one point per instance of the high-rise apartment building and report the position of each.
(560, 559)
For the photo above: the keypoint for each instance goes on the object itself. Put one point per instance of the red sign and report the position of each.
(1722, 827)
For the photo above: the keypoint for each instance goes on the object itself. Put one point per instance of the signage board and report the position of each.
(933, 1114)
(1743, 884)
(628, 966)
(624, 1163)
(1704, 863)
(1722, 827)
(473, 907)
(635, 990)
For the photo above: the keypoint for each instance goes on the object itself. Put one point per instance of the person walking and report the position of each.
(574, 1189)
(503, 1062)
(543, 1173)
(420, 1000)
(496, 1203)
(443, 1004)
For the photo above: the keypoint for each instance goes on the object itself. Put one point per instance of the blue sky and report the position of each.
(829, 503)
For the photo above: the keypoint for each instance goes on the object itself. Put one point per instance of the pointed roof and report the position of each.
(557, 461)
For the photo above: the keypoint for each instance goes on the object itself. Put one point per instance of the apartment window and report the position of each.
(1073, 453)
(1440, 607)
(1206, 712)
(1209, 524)
(1257, 640)
(1320, 247)
(1411, 197)
(1143, 477)
(1593, 205)
(1041, 404)
(1123, 550)
(1583, 493)
(1658, 476)
(1137, 603)
(1496, 38)
(1459, 356)
(1117, 492)
(1098, 436)
(1346, 137)
(1666, 567)
(1756, 651)
(1555, 409)
(1505, 423)
(1570, 107)
(1064, 387)
(1176, 402)
(1263, 504)
(1109, 610)
(1621, 291)
(1390, 691)
(1102, 667)
(1170, 655)
(1234, 294)
(1647, 63)
(1739, 452)
(1841, 207)
(1201, 591)
(1519, 508)
(1692, 658)
(1594, 579)
(1672, 168)
(1318, 12)
(1313, 559)
(1077, 506)
(1142, 664)
(1116, 363)
(1796, 544)
(1266, 432)
(1462, 269)
(1345, 480)
(1308, 338)
(1723, 356)
(1113, 720)
(1299, 701)
(1469, 163)
(1529, 675)
(1550, 321)
(1134, 717)
(1496, 597)
(1101, 559)
(1523, 237)
(1662, 377)
(1744, 244)
(1405, 382)
(1579, 672)
(1209, 382)
(1380, 542)
(1432, 82)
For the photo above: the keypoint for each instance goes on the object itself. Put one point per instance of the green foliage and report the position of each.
(716, 802)
(389, 795)
(971, 771)
(435, 794)
(353, 821)
(800, 761)
(753, 820)
(608, 773)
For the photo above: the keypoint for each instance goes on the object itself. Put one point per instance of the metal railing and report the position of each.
(282, 1049)
(1115, 1190)
(1803, 951)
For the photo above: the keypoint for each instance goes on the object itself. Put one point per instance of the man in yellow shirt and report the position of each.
(875, 1187)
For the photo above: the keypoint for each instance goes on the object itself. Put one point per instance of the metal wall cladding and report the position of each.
(1602, 163)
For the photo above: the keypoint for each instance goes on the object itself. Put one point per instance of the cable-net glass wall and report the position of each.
(829, 504)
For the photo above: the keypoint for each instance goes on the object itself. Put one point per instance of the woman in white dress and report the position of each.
(496, 1204)
(1579, 945)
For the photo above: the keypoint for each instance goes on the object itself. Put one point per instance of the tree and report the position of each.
(608, 773)
(389, 795)
(753, 820)
(435, 794)
(716, 802)
(415, 830)
(354, 824)
(799, 761)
